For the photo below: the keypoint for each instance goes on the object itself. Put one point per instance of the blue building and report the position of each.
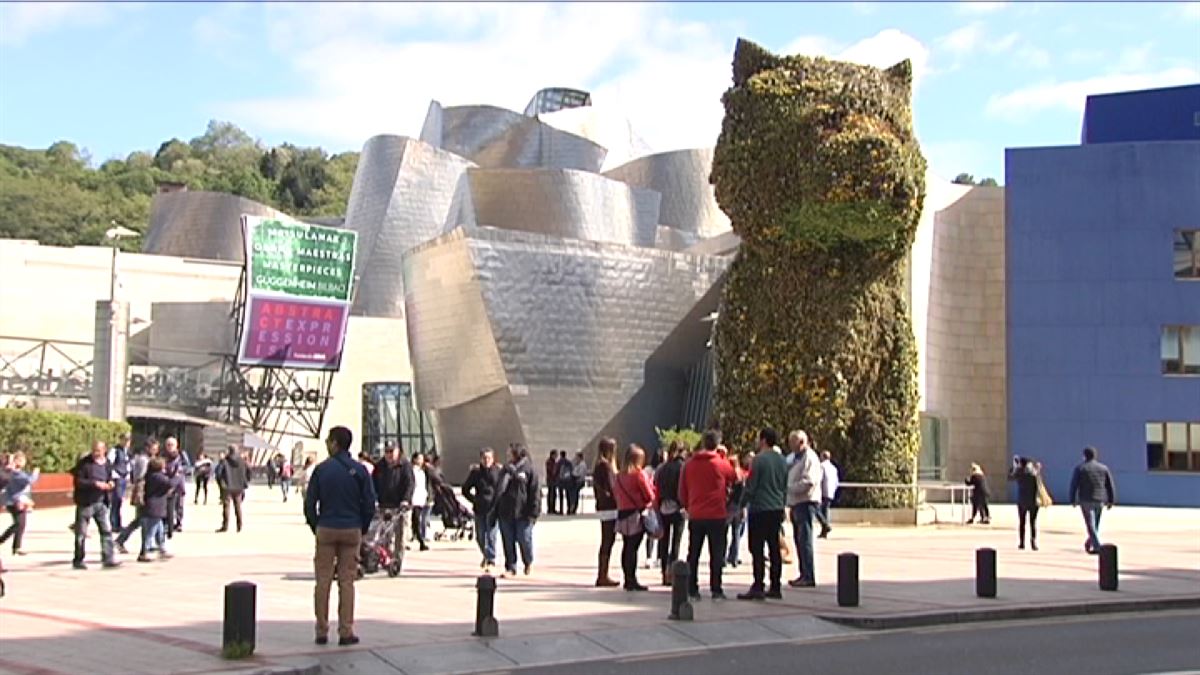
(1102, 258)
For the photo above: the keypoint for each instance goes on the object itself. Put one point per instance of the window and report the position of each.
(1173, 446)
(389, 416)
(1180, 350)
(1187, 254)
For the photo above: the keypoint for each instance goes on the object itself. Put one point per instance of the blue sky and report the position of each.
(114, 78)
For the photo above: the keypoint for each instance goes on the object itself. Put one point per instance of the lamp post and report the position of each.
(113, 235)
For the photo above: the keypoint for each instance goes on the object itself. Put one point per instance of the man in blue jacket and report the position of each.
(338, 507)
(1092, 489)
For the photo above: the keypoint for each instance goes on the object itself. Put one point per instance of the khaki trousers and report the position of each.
(336, 549)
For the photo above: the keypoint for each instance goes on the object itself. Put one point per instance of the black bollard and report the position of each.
(485, 606)
(1108, 567)
(847, 580)
(985, 572)
(238, 637)
(681, 609)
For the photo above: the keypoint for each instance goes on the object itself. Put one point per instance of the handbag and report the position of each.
(652, 522)
(137, 496)
(1043, 497)
(639, 521)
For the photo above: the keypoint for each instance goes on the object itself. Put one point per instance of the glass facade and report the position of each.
(390, 416)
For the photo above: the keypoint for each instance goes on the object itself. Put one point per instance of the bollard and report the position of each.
(681, 608)
(238, 637)
(1108, 567)
(985, 572)
(485, 606)
(847, 580)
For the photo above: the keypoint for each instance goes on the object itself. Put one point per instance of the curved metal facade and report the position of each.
(194, 224)
(572, 324)
(495, 138)
(560, 202)
(681, 177)
(403, 189)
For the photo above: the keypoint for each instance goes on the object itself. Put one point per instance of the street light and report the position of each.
(114, 234)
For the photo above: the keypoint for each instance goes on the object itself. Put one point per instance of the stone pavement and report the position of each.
(166, 617)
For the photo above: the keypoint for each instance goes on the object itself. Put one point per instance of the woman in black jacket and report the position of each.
(1025, 474)
(154, 511)
(979, 496)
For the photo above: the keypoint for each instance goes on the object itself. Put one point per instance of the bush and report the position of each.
(688, 435)
(54, 441)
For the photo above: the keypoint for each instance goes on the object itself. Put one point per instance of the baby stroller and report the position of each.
(375, 552)
(458, 520)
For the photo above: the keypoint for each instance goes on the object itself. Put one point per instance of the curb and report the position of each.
(290, 666)
(1010, 613)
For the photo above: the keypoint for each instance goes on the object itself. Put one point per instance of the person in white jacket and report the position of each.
(803, 499)
(829, 488)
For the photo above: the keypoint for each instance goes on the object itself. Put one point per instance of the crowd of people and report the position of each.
(713, 493)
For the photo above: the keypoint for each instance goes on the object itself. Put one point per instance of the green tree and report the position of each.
(989, 182)
(964, 179)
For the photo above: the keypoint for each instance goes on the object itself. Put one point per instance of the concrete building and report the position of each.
(1103, 297)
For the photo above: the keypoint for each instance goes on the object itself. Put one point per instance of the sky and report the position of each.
(115, 78)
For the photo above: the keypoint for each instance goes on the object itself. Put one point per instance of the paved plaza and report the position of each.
(166, 616)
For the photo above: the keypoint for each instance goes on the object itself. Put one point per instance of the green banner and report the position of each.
(308, 261)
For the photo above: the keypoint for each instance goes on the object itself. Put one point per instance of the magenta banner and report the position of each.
(293, 333)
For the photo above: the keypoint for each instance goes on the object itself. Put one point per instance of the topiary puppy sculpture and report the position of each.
(819, 171)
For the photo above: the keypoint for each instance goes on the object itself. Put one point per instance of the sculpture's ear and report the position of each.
(901, 76)
(749, 59)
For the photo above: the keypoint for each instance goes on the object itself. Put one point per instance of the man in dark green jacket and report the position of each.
(766, 496)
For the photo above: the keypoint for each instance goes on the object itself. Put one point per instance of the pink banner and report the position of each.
(293, 333)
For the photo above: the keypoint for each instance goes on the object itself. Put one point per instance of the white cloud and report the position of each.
(21, 21)
(1021, 104)
(1134, 59)
(366, 80)
(368, 75)
(979, 7)
(887, 48)
(1188, 10)
(963, 40)
(1034, 57)
(812, 45)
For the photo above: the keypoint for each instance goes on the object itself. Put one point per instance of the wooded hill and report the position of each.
(57, 197)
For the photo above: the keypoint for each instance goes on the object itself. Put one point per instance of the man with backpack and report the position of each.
(518, 508)
(338, 506)
(118, 459)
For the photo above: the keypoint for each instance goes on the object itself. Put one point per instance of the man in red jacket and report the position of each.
(703, 487)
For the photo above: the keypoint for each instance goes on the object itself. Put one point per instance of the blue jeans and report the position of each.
(485, 536)
(515, 533)
(802, 531)
(153, 535)
(99, 513)
(116, 497)
(1091, 519)
(285, 484)
(737, 529)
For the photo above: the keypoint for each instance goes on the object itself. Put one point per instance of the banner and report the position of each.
(300, 280)
(306, 261)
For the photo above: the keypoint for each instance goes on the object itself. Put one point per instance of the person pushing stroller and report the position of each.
(394, 486)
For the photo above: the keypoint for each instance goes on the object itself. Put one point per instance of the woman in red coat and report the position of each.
(634, 492)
